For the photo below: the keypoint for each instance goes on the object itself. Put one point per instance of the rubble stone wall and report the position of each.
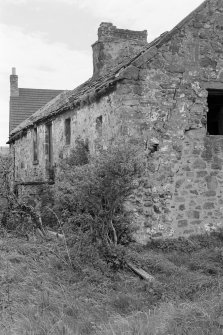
(83, 125)
(181, 191)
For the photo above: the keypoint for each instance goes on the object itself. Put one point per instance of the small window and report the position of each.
(215, 112)
(35, 146)
(99, 125)
(49, 143)
(67, 130)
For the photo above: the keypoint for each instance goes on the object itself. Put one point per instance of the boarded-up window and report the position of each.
(35, 146)
(67, 130)
(99, 125)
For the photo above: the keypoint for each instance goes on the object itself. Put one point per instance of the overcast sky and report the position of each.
(49, 41)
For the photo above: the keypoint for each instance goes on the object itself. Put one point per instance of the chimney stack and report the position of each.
(114, 45)
(14, 90)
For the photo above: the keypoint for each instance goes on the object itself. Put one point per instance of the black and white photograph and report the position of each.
(111, 167)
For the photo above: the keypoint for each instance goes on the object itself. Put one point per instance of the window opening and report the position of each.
(215, 112)
(35, 146)
(99, 125)
(49, 143)
(67, 130)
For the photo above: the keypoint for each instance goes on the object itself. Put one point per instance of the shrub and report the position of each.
(79, 154)
(91, 192)
(22, 213)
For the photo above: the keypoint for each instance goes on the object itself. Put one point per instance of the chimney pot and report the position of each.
(13, 71)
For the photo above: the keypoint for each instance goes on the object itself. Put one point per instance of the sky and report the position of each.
(49, 41)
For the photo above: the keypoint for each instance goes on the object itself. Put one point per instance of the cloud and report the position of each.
(16, 2)
(35, 58)
(39, 65)
(156, 16)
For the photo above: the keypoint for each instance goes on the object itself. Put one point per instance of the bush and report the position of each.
(91, 191)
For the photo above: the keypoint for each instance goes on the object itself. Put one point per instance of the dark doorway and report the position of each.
(215, 112)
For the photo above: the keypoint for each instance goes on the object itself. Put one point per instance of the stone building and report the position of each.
(170, 94)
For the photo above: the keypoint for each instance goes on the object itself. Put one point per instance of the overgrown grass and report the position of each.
(171, 319)
(43, 291)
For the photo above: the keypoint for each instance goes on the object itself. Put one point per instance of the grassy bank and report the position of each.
(41, 292)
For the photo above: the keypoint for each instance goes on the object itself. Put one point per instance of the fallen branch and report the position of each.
(114, 233)
(140, 272)
(39, 232)
(54, 234)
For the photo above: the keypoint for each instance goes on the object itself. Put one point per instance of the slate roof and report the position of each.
(97, 86)
(27, 103)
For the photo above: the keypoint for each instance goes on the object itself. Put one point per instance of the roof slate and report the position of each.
(27, 103)
(97, 86)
